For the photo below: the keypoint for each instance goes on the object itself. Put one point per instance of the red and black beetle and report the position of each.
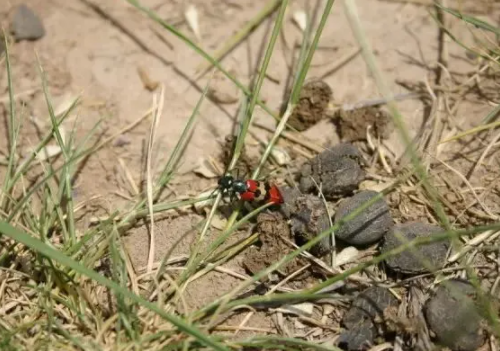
(250, 190)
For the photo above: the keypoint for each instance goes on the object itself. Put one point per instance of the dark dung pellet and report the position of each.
(369, 225)
(417, 259)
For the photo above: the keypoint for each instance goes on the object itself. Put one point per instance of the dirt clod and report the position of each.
(336, 171)
(312, 106)
(273, 231)
(26, 25)
(411, 261)
(353, 124)
(453, 317)
(310, 220)
(367, 227)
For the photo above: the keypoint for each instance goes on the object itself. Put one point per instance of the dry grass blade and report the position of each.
(472, 131)
(158, 111)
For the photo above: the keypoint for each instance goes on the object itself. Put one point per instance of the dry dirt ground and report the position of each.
(87, 52)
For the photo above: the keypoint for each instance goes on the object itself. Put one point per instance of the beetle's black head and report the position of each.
(226, 183)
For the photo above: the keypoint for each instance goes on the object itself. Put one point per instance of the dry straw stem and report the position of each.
(483, 155)
(325, 204)
(158, 111)
(472, 131)
(23, 94)
(464, 179)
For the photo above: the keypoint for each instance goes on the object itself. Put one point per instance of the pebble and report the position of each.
(368, 226)
(408, 262)
(26, 25)
(453, 316)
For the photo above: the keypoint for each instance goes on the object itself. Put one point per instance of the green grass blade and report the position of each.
(57, 256)
(297, 87)
(46, 139)
(492, 115)
(469, 19)
(258, 85)
(458, 41)
(11, 131)
(66, 170)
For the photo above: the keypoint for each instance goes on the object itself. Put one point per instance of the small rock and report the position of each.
(410, 261)
(453, 316)
(368, 226)
(369, 306)
(312, 106)
(310, 220)
(337, 171)
(26, 25)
